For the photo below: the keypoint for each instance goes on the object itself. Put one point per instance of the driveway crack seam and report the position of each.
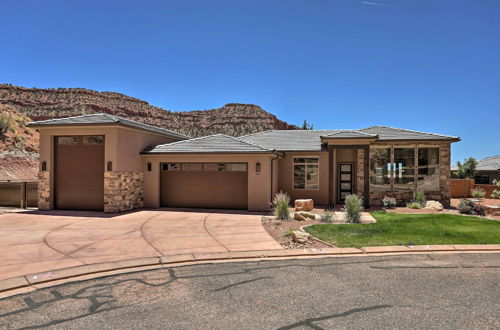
(211, 235)
(144, 236)
(53, 248)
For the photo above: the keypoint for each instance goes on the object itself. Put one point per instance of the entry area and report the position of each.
(204, 185)
(79, 173)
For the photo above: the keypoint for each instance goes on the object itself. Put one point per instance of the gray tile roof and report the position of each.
(391, 133)
(491, 163)
(350, 134)
(218, 143)
(103, 119)
(310, 140)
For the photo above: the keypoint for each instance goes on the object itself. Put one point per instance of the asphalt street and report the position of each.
(434, 291)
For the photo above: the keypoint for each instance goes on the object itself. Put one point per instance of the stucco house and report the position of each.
(103, 162)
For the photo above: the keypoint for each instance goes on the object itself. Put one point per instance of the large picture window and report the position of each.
(306, 173)
(428, 169)
(395, 168)
(380, 169)
(404, 168)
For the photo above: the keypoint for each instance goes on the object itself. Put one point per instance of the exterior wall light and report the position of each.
(109, 166)
(44, 166)
(257, 167)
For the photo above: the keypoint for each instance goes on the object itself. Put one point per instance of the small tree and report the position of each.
(306, 125)
(467, 170)
(496, 192)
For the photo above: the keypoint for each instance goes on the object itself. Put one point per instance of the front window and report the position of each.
(306, 173)
(395, 168)
(380, 169)
(404, 168)
(428, 169)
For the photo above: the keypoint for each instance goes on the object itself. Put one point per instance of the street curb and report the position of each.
(22, 284)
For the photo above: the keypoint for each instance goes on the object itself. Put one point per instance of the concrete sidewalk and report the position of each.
(33, 242)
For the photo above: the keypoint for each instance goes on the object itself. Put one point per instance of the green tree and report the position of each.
(306, 125)
(467, 170)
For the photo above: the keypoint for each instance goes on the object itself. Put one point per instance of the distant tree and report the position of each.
(467, 170)
(307, 126)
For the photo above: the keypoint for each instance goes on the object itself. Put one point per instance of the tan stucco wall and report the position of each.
(259, 184)
(122, 148)
(285, 175)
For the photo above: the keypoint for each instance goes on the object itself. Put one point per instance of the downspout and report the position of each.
(272, 173)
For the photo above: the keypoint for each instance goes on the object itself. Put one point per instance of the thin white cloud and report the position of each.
(374, 4)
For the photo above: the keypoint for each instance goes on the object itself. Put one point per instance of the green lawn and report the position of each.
(410, 229)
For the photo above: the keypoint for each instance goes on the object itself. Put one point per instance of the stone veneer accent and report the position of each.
(360, 174)
(443, 195)
(44, 190)
(123, 191)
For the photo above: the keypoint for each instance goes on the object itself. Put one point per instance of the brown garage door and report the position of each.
(79, 173)
(205, 185)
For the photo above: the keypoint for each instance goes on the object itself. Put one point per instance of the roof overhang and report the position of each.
(115, 124)
(348, 140)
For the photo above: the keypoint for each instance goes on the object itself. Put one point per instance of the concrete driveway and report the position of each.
(40, 241)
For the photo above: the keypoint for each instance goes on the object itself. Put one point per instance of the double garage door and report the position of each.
(204, 185)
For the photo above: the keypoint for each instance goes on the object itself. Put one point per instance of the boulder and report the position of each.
(304, 205)
(299, 217)
(434, 205)
(493, 210)
(307, 215)
(300, 236)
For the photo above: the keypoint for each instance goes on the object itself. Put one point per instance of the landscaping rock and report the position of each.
(304, 205)
(300, 236)
(434, 205)
(493, 210)
(307, 215)
(268, 218)
(297, 216)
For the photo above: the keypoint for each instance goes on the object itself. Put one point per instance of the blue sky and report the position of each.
(430, 65)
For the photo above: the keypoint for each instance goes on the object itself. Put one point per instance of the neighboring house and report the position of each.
(103, 162)
(488, 169)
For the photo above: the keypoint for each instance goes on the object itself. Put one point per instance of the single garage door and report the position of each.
(204, 185)
(79, 172)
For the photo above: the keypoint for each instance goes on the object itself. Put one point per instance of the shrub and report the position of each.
(288, 232)
(327, 217)
(419, 197)
(496, 192)
(478, 193)
(466, 206)
(281, 203)
(353, 207)
(389, 202)
(414, 205)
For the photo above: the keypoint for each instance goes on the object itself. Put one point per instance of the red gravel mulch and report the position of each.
(277, 229)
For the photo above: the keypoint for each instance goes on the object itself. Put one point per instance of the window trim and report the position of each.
(305, 172)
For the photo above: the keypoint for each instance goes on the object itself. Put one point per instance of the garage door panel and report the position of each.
(79, 175)
(205, 189)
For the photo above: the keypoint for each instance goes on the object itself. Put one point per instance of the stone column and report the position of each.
(123, 191)
(44, 200)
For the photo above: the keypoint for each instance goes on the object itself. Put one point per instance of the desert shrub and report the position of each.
(478, 193)
(288, 232)
(389, 202)
(414, 205)
(327, 217)
(281, 202)
(353, 207)
(419, 197)
(6, 124)
(466, 206)
(496, 192)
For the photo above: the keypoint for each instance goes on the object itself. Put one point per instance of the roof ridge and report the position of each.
(412, 130)
(188, 140)
(71, 117)
(256, 133)
(249, 143)
(352, 131)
